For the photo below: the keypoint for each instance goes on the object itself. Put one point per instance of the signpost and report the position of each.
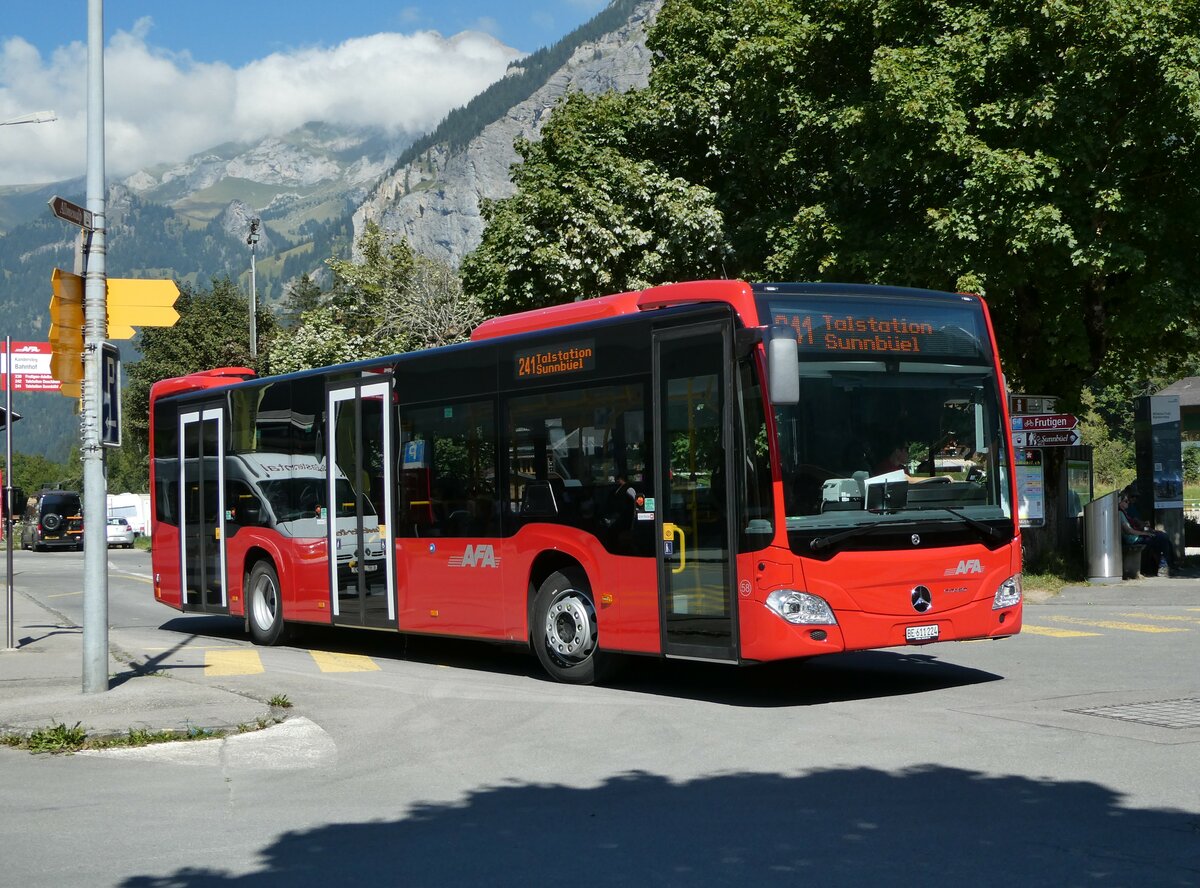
(71, 212)
(1044, 422)
(1066, 438)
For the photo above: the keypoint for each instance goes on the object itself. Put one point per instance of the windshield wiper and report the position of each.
(978, 525)
(820, 544)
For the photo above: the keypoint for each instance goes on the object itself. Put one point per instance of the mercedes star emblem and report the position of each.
(922, 599)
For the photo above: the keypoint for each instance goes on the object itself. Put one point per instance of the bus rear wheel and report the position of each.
(565, 630)
(265, 604)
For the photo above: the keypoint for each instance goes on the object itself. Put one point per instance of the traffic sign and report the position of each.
(66, 330)
(1044, 422)
(1032, 403)
(1065, 438)
(110, 395)
(71, 212)
(136, 302)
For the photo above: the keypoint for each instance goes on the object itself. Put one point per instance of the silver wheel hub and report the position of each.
(265, 603)
(571, 627)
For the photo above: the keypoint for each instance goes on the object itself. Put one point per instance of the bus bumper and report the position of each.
(767, 636)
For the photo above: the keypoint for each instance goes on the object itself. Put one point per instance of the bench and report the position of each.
(1131, 559)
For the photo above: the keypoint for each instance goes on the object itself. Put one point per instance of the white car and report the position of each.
(120, 533)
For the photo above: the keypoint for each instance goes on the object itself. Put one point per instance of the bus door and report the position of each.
(693, 443)
(359, 497)
(201, 524)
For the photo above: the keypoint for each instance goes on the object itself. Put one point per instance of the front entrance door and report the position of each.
(361, 554)
(201, 523)
(692, 367)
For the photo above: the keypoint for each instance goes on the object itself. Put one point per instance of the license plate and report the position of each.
(368, 568)
(921, 633)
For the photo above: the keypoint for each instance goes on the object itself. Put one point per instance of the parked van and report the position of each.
(53, 520)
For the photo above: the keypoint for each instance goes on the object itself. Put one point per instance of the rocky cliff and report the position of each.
(434, 200)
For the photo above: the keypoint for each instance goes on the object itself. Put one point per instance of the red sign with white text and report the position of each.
(30, 368)
(1044, 422)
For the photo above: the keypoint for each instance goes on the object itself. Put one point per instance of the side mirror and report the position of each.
(783, 369)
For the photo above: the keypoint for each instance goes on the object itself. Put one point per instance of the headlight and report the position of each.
(1008, 594)
(800, 607)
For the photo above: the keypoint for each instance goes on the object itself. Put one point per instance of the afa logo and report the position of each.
(482, 555)
(966, 566)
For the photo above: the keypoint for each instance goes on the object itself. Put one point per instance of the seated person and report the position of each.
(896, 461)
(1134, 531)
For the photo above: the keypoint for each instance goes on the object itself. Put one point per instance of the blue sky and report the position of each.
(237, 33)
(182, 77)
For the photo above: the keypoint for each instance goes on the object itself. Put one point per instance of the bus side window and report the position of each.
(448, 471)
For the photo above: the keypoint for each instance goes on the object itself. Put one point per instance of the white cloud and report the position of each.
(162, 106)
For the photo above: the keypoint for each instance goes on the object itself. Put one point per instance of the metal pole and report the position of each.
(95, 543)
(252, 240)
(10, 635)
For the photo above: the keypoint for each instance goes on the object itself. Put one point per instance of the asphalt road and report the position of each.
(1037, 760)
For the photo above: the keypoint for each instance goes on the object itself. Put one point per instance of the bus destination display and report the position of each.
(901, 330)
(556, 360)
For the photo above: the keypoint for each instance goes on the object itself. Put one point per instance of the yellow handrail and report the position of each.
(669, 533)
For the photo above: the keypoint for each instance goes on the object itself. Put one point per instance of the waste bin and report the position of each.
(1102, 524)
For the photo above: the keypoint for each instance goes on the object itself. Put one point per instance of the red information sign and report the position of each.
(1044, 422)
(30, 368)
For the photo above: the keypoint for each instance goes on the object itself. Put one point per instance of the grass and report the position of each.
(59, 739)
(280, 701)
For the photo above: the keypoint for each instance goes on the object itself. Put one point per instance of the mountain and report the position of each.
(433, 195)
(313, 188)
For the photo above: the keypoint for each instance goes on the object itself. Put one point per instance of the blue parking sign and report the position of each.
(110, 395)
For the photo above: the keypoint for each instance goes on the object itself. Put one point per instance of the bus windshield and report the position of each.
(899, 416)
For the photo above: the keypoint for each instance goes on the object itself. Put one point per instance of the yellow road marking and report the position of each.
(1115, 624)
(1026, 629)
(328, 661)
(1165, 618)
(232, 662)
(192, 647)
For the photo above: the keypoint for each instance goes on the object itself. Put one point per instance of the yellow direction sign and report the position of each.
(133, 302)
(66, 327)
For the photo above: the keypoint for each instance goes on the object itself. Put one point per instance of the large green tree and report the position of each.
(1042, 153)
(595, 212)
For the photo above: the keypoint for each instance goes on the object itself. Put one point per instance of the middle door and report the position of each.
(361, 556)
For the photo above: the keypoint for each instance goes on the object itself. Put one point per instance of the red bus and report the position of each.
(712, 470)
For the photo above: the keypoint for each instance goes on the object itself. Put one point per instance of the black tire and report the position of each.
(52, 521)
(565, 632)
(264, 604)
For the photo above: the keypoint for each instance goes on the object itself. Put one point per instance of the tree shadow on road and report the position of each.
(928, 826)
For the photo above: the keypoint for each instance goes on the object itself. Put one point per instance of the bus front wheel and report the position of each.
(565, 631)
(265, 604)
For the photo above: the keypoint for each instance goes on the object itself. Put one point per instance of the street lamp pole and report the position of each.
(252, 240)
(34, 117)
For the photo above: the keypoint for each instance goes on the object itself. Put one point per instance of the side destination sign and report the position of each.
(555, 360)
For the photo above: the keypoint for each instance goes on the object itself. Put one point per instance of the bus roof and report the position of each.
(730, 292)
